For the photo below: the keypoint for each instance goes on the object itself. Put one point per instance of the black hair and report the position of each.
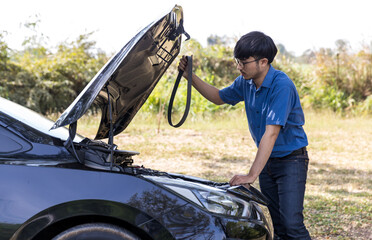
(255, 44)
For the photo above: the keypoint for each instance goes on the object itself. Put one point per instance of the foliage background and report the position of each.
(48, 79)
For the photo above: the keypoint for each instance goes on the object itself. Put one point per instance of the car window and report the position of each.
(34, 120)
(5, 120)
(33, 135)
(11, 143)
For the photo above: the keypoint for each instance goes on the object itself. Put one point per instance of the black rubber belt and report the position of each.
(188, 99)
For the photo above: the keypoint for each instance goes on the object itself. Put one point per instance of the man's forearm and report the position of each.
(263, 153)
(206, 90)
(264, 150)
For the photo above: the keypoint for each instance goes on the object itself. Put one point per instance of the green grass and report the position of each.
(338, 201)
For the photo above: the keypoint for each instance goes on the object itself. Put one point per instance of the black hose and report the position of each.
(188, 99)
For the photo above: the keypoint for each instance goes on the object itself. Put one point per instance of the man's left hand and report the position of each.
(241, 179)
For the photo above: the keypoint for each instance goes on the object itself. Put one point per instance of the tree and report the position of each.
(342, 45)
(219, 40)
(284, 52)
(47, 80)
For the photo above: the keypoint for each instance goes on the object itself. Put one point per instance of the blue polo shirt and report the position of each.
(276, 102)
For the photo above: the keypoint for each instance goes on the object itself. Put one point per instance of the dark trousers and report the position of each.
(283, 181)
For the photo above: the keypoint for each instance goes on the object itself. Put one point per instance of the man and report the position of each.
(275, 119)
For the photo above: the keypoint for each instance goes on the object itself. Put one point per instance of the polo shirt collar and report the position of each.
(269, 77)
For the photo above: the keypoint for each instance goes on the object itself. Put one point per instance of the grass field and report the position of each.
(338, 201)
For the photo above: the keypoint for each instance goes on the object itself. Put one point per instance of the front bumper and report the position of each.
(190, 222)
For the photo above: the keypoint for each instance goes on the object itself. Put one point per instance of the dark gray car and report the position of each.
(56, 184)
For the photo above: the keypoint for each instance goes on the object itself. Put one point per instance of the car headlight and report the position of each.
(223, 203)
(212, 199)
(265, 211)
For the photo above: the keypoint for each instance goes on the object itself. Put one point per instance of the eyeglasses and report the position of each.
(242, 64)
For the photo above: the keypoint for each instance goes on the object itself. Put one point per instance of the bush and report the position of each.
(48, 80)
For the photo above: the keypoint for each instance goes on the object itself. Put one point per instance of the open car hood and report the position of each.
(130, 76)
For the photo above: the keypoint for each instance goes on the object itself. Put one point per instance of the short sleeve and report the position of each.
(280, 105)
(234, 93)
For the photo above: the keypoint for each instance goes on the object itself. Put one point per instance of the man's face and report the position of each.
(249, 67)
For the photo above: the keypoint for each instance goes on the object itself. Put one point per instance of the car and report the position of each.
(57, 184)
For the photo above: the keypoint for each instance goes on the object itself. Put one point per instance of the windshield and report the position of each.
(34, 120)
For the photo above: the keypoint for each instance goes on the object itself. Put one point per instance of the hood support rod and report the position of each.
(70, 141)
(111, 132)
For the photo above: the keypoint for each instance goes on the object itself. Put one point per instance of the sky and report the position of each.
(297, 24)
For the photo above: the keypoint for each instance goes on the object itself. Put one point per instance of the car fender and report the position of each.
(58, 218)
(41, 195)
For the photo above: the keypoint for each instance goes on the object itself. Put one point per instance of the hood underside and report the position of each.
(130, 76)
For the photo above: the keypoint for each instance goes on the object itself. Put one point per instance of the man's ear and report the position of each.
(264, 61)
